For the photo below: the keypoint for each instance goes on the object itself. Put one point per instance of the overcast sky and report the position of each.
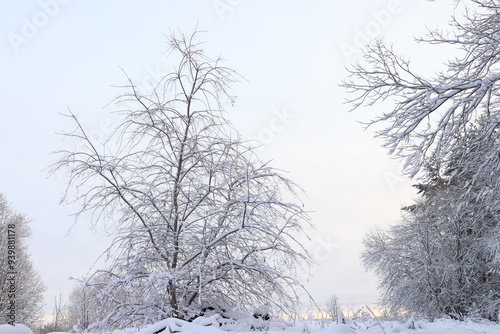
(59, 54)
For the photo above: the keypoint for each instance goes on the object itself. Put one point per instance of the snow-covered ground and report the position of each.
(17, 329)
(442, 326)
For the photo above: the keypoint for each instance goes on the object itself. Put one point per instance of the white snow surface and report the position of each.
(15, 329)
(209, 326)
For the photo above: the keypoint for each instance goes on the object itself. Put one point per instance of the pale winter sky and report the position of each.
(59, 54)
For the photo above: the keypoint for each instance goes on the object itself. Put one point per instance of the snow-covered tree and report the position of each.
(197, 217)
(334, 310)
(21, 288)
(79, 311)
(443, 257)
(85, 306)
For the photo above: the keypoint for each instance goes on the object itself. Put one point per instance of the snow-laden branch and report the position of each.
(429, 114)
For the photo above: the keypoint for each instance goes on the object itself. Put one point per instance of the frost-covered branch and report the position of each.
(428, 112)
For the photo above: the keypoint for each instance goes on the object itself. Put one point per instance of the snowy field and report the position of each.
(442, 326)
(369, 327)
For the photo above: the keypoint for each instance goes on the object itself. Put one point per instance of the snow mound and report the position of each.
(208, 321)
(338, 329)
(210, 325)
(173, 325)
(446, 326)
(16, 329)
